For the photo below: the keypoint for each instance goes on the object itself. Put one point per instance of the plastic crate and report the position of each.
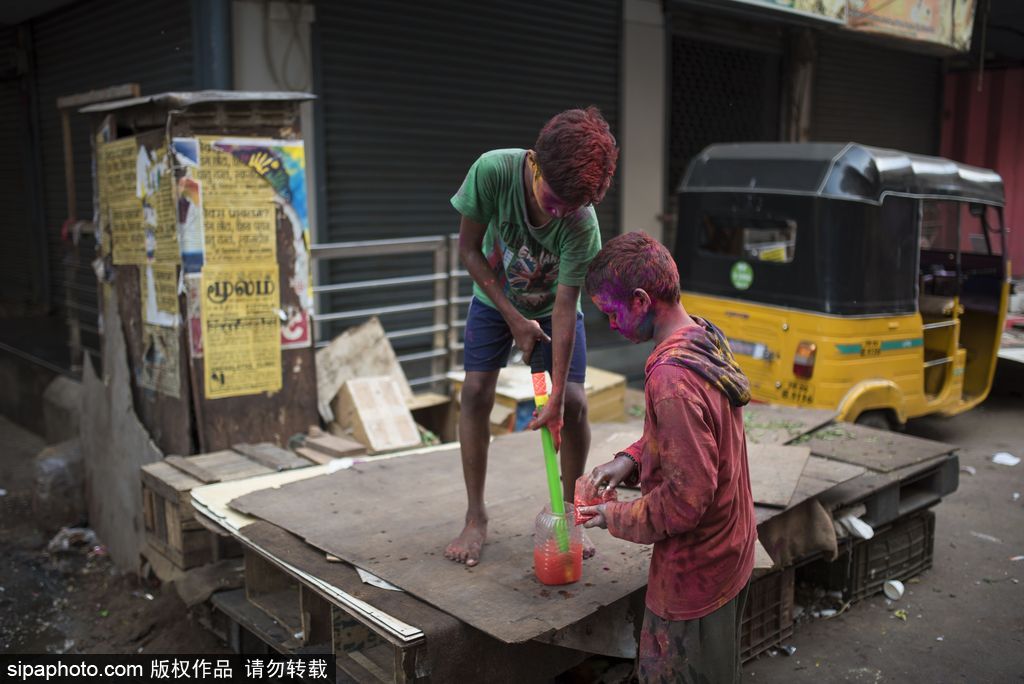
(900, 552)
(768, 613)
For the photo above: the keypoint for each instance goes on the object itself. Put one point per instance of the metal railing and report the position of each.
(445, 300)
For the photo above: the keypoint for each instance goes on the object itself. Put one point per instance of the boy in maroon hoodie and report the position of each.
(691, 463)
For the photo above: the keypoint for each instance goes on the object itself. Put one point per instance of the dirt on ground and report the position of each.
(75, 601)
(963, 618)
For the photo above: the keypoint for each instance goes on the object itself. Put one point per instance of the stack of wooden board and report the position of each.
(174, 537)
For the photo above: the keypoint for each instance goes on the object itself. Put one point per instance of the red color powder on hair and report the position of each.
(577, 155)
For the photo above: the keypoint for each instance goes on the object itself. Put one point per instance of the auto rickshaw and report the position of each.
(865, 280)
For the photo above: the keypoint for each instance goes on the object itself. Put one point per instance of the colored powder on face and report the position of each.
(622, 320)
(554, 567)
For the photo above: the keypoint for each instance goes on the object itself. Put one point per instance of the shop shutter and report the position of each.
(20, 290)
(86, 46)
(871, 94)
(725, 84)
(413, 92)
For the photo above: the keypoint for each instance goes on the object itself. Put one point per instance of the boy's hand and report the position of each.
(609, 475)
(598, 520)
(527, 334)
(551, 417)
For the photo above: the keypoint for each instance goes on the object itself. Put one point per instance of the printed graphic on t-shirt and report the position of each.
(530, 272)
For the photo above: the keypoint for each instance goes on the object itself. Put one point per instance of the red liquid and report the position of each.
(555, 567)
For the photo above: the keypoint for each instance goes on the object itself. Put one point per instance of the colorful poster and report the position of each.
(194, 313)
(241, 338)
(296, 331)
(191, 231)
(944, 22)
(159, 369)
(158, 290)
(827, 10)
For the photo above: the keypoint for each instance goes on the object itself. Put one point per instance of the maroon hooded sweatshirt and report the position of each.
(696, 506)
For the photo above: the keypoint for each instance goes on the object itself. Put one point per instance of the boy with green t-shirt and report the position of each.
(527, 234)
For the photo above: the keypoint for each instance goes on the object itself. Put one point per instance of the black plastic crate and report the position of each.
(768, 613)
(898, 551)
(901, 552)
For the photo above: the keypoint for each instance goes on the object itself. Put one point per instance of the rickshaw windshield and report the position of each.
(811, 253)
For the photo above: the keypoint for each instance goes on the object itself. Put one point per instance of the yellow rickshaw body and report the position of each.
(847, 277)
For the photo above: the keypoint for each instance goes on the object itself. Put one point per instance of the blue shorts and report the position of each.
(489, 341)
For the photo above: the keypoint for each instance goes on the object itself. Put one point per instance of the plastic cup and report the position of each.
(893, 590)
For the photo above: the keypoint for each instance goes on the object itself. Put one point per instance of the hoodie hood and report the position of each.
(703, 349)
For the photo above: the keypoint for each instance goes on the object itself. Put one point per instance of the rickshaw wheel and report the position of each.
(878, 419)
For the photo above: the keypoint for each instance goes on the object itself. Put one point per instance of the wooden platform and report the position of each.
(380, 635)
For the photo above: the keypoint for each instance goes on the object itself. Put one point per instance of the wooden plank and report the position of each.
(879, 450)
(333, 445)
(272, 591)
(194, 469)
(343, 515)
(228, 465)
(313, 455)
(166, 480)
(118, 92)
(271, 456)
(775, 471)
(771, 424)
(821, 474)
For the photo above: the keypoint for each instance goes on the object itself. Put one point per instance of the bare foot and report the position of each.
(466, 547)
(588, 546)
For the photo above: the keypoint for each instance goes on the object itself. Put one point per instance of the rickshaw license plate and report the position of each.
(752, 349)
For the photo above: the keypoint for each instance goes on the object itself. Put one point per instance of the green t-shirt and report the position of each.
(530, 262)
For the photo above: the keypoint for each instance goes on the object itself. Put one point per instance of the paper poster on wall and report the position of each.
(158, 290)
(239, 232)
(117, 167)
(194, 313)
(296, 331)
(161, 228)
(159, 369)
(944, 22)
(189, 216)
(282, 166)
(241, 338)
(127, 232)
(136, 201)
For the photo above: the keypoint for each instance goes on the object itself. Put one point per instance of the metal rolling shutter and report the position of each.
(867, 93)
(91, 45)
(413, 92)
(20, 290)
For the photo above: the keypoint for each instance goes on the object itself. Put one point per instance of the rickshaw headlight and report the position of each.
(803, 359)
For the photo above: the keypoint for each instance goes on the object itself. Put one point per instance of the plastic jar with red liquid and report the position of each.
(557, 547)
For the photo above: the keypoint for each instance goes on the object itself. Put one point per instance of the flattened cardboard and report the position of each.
(394, 518)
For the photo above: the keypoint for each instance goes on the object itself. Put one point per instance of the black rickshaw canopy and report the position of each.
(846, 171)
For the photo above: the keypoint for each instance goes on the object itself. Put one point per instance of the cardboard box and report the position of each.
(374, 411)
(514, 404)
